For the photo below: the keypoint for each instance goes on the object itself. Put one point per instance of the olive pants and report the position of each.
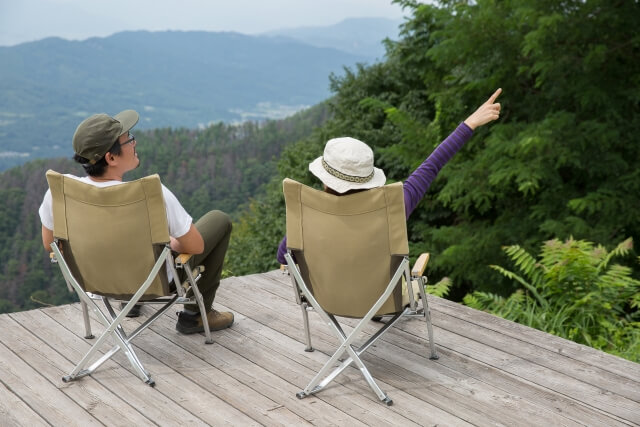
(215, 228)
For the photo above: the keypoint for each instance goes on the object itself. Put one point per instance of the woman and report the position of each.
(346, 165)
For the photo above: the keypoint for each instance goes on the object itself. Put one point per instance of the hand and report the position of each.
(487, 112)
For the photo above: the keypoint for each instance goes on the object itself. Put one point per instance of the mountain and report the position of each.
(173, 78)
(359, 36)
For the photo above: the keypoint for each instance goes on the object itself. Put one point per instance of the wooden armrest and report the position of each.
(420, 265)
(182, 259)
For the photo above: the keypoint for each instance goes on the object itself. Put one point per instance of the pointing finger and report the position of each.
(494, 96)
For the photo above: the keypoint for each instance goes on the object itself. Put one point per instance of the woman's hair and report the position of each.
(99, 167)
(346, 193)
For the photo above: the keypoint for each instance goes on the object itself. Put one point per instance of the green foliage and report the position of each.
(440, 289)
(572, 290)
(560, 162)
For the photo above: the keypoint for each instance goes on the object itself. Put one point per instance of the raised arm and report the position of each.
(420, 180)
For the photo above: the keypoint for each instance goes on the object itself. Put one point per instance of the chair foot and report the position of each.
(387, 401)
(211, 341)
(67, 379)
(434, 357)
(89, 337)
(301, 395)
(150, 382)
(309, 349)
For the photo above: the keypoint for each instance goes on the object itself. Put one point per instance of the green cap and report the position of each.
(95, 135)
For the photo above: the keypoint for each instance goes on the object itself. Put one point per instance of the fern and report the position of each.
(573, 291)
(440, 289)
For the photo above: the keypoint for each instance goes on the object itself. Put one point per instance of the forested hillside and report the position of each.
(221, 167)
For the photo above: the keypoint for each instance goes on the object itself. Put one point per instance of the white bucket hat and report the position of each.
(347, 164)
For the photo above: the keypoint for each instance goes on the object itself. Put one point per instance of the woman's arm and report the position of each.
(282, 249)
(420, 180)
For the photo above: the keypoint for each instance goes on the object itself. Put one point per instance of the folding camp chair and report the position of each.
(113, 243)
(348, 257)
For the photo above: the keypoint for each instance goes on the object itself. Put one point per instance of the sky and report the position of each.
(28, 20)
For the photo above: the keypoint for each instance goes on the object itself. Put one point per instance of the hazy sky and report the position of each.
(28, 20)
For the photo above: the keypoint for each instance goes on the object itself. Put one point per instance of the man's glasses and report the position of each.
(130, 140)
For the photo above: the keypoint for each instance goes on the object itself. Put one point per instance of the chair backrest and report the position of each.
(111, 236)
(347, 247)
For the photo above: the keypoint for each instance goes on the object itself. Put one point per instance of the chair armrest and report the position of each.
(420, 265)
(182, 259)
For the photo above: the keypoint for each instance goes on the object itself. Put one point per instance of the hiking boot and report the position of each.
(191, 323)
(135, 310)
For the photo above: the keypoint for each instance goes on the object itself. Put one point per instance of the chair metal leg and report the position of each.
(203, 311)
(427, 318)
(305, 319)
(87, 322)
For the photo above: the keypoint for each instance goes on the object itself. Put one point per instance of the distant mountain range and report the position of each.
(173, 78)
(360, 36)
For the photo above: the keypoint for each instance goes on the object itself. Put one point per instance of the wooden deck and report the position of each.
(490, 372)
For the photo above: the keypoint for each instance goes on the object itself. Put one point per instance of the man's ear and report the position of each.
(110, 158)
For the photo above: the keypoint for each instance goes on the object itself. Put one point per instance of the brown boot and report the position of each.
(192, 323)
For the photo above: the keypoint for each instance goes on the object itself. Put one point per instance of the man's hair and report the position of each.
(99, 167)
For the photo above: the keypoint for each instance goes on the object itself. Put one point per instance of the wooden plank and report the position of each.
(556, 402)
(260, 408)
(266, 340)
(15, 412)
(605, 390)
(162, 402)
(253, 365)
(272, 304)
(582, 391)
(39, 393)
(570, 349)
(252, 375)
(509, 383)
(208, 407)
(90, 395)
(530, 352)
(272, 341)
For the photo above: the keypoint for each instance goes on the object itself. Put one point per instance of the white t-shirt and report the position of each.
(177, 217)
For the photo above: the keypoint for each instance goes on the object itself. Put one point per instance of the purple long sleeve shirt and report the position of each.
(420, 180)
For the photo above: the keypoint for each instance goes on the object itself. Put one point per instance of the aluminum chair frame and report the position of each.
(324, 377)
(113, 321)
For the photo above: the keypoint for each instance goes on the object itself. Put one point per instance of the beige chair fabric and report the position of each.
(348, 247)
(111, 236)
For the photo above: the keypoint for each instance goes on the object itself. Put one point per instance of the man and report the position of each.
(106, 150)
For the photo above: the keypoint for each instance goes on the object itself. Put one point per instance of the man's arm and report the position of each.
(47, 238)
(189, 243)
